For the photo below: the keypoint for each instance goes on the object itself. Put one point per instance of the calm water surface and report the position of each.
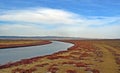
(15, 54)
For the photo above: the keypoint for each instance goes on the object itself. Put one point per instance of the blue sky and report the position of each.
(72, 18)
(84, 7)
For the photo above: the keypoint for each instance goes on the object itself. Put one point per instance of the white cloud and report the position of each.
(42, 15)
(39, 22)
(52, 16)
(33, 30)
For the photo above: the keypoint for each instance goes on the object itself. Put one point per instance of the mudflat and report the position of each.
(86, 56)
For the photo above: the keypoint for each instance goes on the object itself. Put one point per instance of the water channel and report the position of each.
(16, 54)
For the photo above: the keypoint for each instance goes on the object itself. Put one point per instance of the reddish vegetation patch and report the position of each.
(75, 53)
(85, 54)
(92, 70)
(71, 71)
(81, 64)
(18, 70)
(54, 65)
(53, 70)
(118, 60)
(69, 62)
(42, 65)
(99, 53)
(24, 61)
(77, 64)
(52, 57)
(95, 71)
(76, 56)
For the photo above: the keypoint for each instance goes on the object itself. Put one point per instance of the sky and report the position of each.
(67, 18)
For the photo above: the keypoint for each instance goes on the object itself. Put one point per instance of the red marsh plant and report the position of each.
(18, 70)
(42, 65)
(81, 64)
(53, 69)
(71, 71)
(92, 70)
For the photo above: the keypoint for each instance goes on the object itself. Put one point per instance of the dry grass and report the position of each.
(87, 56)
(21, 43)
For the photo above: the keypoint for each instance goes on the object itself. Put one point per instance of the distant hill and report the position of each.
(51, 38)
(38, 37)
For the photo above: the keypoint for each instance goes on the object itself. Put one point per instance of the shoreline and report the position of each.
(85, 56)
(33, 59)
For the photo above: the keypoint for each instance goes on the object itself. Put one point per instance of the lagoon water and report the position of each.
(16, 54)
